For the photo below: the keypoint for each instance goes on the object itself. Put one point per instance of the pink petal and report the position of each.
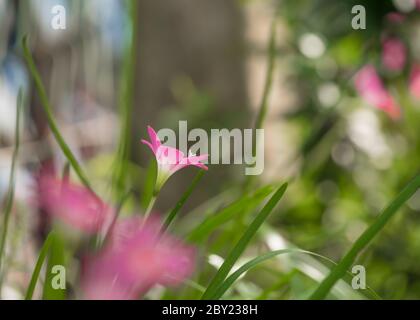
(73, 205)
(195, 161)
(415, 81)
(148, 144)
(154, 139)
(137, 257)
(169, 156)
(394, 54)
(370, 87)
(395, 17)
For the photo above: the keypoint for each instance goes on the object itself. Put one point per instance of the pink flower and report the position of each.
(395, 17)
(169, 159)
(415, 81)
(137, 257)
(73, 205)
(393, 54)
(369, 85)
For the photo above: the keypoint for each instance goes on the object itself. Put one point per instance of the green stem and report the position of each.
(243, 242)
(50, 117)
(182, 201)
(127, 101)
(116, 216)
(340, 269)
(149, 208)
(37, 270)
(11, 192)
(268, 83)
(271, 58)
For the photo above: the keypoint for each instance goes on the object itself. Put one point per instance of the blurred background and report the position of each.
(207, 62)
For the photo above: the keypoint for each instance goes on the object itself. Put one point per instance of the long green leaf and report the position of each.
(243, 242)
(225, 285)
(260, 259)
(338, 271)
(271, 65)
(11, 192)
(50, 117)
(182, 201)
(126, 103)
(228, 213)
(268, 83)
(37, 270)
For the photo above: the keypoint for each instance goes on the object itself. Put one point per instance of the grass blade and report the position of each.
(182, 201)
(126, 103)
(244, 268)
(228, 213)
(338, 271)
(50, 117)
(262, 258)
(11, 191)
(37, 270)
(243, 243)
(268, 83)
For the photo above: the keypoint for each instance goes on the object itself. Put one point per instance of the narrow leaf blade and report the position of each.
(182, 201)
(37, 270)
(338, 271)
(243, 242)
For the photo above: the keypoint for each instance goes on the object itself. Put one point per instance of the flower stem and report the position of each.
(127, 88)
(182, 201)
(268, 83)
(45, 103)
(11, 191)
(150, 207)
(37, 270)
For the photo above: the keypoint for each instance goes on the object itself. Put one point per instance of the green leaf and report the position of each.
(126, 104)
(49, 114)
(37, 270)
(247, 266)
(260, 259)
(149, 184)
(182, 201)
(338, 271)
(11, 191)
(228, 213)
(268, 83)
(243, 243)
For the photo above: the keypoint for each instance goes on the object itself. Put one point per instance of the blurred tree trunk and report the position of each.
(202, 40)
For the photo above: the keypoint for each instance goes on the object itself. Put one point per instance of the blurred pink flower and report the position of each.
(169, 159)
(137, 257)
(394, 54)
(73, 205)
(395, 17)
(370, 87)
(415, 81)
